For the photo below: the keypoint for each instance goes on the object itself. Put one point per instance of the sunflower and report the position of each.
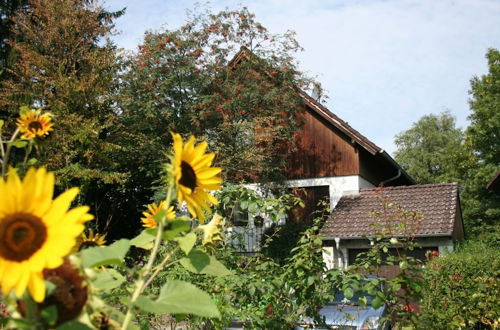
(149, 221)
(33, 123)
(193, 176)
(36, 232)
(90, 240)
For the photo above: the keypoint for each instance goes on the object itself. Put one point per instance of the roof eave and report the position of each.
(330, 238)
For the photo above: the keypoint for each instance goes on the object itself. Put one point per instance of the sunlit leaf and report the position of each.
(201, 263)
(19, 143)
(348, 293)
(145, 239)
(377, 302)
(108, 255)
(174, 228)
(73, 325)
(108, 279)
(178, 297)
(186, 243)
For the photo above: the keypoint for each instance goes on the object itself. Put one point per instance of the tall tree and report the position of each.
(434, 151)
(483, 133)
(184, 80)
(66, 66)
(8, 8)
(482, 206)
(427, 151)
(188, 80)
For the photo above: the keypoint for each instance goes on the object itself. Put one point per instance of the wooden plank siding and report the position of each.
(311, 196)
(376, 170)
(322, 151)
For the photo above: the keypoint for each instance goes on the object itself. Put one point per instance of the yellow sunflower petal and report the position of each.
(22, 283)
(60, 205)
(204, 161)
(13, 196)
(177, 144)
(51, 227)
(36, 287)
(8, 282)
(208, 173)
(194, 177)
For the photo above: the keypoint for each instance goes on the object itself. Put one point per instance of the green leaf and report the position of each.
(348, 293)
(108, 279)
(108, 255)
(362, 301)
(19, 143)
(32, 161)
(201, 263)
(18, 324)
(1, 123)
(403, 265)
(178, 297)
(253, 207)
(24, 109)
(145, 239)
(49, 314)
(73, 325)
(377, 303)
(174, 228)
(160, 216)
(186, 243)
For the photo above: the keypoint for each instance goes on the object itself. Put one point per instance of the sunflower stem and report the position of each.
(31, 308)
(161, 266)
(7, 153)
(27, 153)
(141, 284)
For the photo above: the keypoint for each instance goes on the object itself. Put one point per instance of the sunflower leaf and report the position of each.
(49, 314)
(178, 297)
(186, 243)
(19, 143)
(73, 325)
(108, 279)
(108, 255)
(145, 239)
(199, 262)
(174, 228)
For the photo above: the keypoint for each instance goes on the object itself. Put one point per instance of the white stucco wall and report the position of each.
(338, 185)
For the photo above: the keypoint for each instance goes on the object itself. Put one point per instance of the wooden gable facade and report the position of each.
(328, 147)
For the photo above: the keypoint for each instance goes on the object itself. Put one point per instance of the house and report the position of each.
(333, 160)
(494, 183)
(433, 218)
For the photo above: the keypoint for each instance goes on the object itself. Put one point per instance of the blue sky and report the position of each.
(384, 64)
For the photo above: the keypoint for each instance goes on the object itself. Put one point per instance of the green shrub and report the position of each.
(281, 239)
(463, 289)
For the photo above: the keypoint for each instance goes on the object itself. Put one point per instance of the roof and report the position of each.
(494, 182)
(332, 119)
(437, 203)
(320, 109)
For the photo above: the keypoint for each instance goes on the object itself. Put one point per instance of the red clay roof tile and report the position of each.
(353, 215)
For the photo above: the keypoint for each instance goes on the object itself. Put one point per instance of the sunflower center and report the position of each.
(87, 244)
(35, 126)
(188, 176)
(21, 235)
